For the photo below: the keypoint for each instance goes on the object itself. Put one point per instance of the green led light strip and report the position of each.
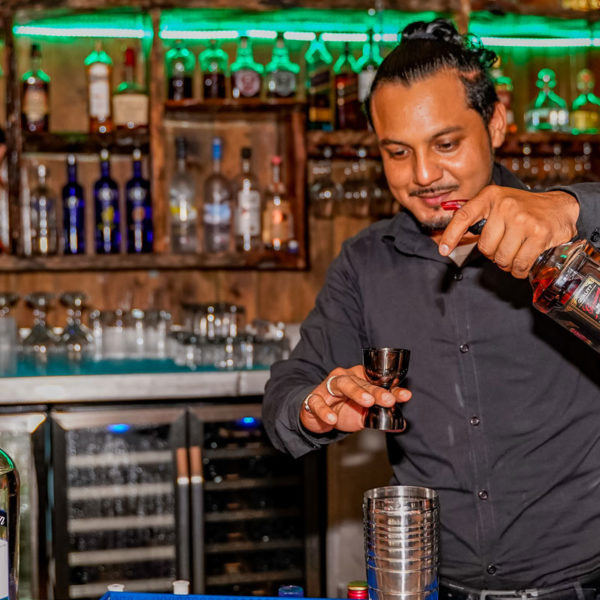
(82, 32)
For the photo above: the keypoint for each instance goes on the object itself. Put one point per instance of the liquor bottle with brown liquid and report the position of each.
(98, 67)
(130, 100)
(36, 92)
(213, 64)
(180, 72)
(246, 73)
(278, 221)
(347, 107)
(318, 85)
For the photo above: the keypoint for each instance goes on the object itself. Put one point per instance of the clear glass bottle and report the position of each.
(358, 187)
(106, 200)
(281, 74)
(504, 88)
(217, 205)
(247, 229)
(73, 211)
(548, 112)
(35, 99)
(319, 85)
(98, 67)
(347, 107)
(367, 67)
(278, 220)
(9, 528)
(213, 64)
(325, 195)
(140, 231)
(585, 110)
(130, 100)
(180, 72)
(182, 204)
(44, 222)
(246, 73)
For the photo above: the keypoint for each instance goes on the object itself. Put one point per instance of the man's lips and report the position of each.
(434, 198)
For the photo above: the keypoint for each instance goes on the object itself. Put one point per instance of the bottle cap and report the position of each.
(42, 171)
(104, 154)
(217, 148)
(71, 160)
(130, 57)
(276, 160)
(181, 587)
(137, 154)
(290, 591)
(358, 590)
(246, 152)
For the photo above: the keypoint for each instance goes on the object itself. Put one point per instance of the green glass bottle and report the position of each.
(213, 64)
(318, 85)
(180, 72)
(9, 528)
(246, 73)
(548, 112)
(347, 107)
(585, 111)
(281, 73)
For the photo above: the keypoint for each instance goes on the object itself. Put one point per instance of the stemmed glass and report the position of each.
(386, 368)
(41, 338)
(76, 337)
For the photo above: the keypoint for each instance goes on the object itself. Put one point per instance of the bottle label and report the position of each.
(131, 110)
(585, 301)
(365, 80)
(99, 91)
(35, 103)
(282, 83)
(320, 81)
(72, 202)
(247, 83)
(217, 214)
(248, 213)
(585, 120)
(547, 118)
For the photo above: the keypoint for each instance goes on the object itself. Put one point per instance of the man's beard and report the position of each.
(437, 223)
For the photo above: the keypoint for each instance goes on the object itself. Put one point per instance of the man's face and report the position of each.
(434, 147)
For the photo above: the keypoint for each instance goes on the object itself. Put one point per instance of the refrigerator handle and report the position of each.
(197, 489)
(183, 514)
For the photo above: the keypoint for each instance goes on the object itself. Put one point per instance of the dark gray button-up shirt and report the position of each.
(505, 415)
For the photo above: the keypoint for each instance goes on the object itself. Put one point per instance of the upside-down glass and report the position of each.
(385, 367)
(41, 339)
(76, 338)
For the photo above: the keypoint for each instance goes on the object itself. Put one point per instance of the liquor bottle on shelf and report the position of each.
(9, 527)
(35, 95)
(73, 211)
(504, 88)
(106, 200)
(182, 203)
(217, 205)
(367, 67)
(4, 220)
(98, 66)
(213, 64)
(246, 73)
(278, 221)
(347, 107)
(548, 112)
(247, 207)
(130, 100)
(318, 85)
(585, 110)
(281, 73)
(324, 194)
(138, 200)
(180, 72)
(44, 222)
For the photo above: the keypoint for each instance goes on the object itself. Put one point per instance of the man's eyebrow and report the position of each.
(391, 141)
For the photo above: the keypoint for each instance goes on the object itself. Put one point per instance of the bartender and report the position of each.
(503, 404)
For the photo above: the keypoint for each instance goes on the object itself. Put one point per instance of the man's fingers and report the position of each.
(468, 215)
(360, 391)
(319, 409)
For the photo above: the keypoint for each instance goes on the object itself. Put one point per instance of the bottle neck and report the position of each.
(72, 173)
(105, 168)
(276, 177)
(129, 74)
(216, 165)
(181, 164)
(36, 63)
(246, 166)
(137, 169)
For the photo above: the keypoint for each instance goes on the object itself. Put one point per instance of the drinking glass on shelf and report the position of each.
(41, 340)
(76, 338)
(324, 194)
(8, 334)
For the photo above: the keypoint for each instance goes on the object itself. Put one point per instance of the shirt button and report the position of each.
(458, 276)
(483, 495)
(491, 569)
(474, 421)
(464, 348)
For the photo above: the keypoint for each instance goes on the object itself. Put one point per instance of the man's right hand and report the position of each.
(345, 408)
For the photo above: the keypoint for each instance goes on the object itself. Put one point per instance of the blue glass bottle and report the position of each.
(73, 210)
(140, 232)
(106, 199)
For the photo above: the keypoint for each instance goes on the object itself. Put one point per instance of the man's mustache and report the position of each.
(432, 191)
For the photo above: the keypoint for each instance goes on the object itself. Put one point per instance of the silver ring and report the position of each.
(305, 403)
(328, 386)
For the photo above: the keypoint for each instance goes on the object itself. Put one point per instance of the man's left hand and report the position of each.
(520, 225)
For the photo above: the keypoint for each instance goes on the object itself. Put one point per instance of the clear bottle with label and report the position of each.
(217, 205)
(140, 232)
(44, 222)
(9, 528)
(98, 67)
(73, 211)
(247, 207)
(180, 72)
(281, 74)
(182, 203)
(130, 100)
(246, 73)
(548, 112)
(35, 99)
(585, 110)
(278, 220)
(319, 85)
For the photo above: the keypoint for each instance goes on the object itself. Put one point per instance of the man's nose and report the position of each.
(426, 169)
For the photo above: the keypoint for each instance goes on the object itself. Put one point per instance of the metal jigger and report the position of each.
(386, 368)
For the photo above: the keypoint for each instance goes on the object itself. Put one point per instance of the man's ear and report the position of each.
(497, 125)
